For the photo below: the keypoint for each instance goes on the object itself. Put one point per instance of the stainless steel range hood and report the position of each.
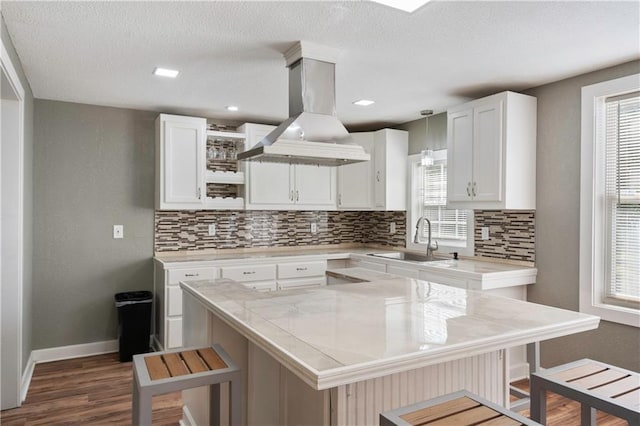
(313, 134)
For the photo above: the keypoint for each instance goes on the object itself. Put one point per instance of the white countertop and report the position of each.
(341, 334)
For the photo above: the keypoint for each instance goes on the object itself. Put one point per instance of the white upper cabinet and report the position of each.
(282, 186)
(391, 148)
(355, 181)
(491, 155)
(180, 162)
(380, 183)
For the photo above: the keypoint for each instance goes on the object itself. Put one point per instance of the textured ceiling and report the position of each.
(231, 52)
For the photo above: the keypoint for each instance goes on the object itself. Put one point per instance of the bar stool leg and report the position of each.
(587, 415)
(235, 399)
(538, 397)
(214, 403)
(141, 407)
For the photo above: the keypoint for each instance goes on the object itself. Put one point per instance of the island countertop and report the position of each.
(340, 334)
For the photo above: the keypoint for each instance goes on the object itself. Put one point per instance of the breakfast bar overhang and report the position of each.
(341, 354)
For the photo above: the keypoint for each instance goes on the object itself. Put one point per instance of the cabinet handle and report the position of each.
(378, 176)
(340, 199)
(301, 269)
(248, 272)
(199, 193)
(297, 195)
(468, 192)
(473, 189)
(291, 195)
(192, 275)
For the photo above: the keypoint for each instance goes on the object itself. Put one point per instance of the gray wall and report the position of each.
(27, 312)
(558, 223)
(94, 167)
(429, 133)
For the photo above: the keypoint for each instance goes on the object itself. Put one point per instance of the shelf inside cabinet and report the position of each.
(224, 203)
(229, 177)
(225, 135)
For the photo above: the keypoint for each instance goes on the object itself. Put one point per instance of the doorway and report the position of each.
(11, 232)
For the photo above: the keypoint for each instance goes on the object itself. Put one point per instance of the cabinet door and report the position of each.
(315, 185)
(355, 181)
(459, 155)
(379, 173)
(487, 151)
(269, 183)
(183, 150)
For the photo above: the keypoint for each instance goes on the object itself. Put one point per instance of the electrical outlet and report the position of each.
(314, 228)
(392, 228)
(212, 229)
(485, 232)
(118, 231)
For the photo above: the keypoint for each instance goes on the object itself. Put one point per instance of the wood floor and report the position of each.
(97, 391)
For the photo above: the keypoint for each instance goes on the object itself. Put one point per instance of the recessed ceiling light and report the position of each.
(405, 5)
(363, 102)
(231, 108)
(164, 72)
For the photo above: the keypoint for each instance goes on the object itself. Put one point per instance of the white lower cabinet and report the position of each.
(257, 277)
(302, 274)
(174, 333)
(168, 302)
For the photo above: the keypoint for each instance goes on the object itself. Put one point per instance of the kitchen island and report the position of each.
(341, 354)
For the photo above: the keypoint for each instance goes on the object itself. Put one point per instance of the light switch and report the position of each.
(118, 231)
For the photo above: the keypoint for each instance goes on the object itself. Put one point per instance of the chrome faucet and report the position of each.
(431, 247)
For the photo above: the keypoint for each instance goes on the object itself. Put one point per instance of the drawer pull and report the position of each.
(301, 269)
(249, 272)
(192, 275)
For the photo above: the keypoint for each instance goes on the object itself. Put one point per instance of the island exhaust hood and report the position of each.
(312, 134)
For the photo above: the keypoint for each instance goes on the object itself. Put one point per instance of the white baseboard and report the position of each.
(74, 351)
(26, 377)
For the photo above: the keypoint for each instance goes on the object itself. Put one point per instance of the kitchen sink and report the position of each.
(409, 257)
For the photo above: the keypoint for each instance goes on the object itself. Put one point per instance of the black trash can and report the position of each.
(134, 322)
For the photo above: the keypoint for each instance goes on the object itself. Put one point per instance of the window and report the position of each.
(610, 200)
(451, 228)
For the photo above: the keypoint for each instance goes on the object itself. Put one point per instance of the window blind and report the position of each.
(622, 192)
(449, 224)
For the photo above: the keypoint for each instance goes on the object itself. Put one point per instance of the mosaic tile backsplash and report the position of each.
(178, 230)
(512, 234)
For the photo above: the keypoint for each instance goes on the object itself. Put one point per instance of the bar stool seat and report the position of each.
(594, 384)
(171, 371)
(461, 408)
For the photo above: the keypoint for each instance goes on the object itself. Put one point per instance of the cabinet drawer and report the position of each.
(174, 333)
(442, 279)
(250, 273)
(301, 270)
(186, 274)
(174, 301)
(302, 283)
(260, 286)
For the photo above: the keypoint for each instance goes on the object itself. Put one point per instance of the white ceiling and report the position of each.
(230, 52)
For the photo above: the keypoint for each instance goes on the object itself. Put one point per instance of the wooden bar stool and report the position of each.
(459, 408)
(163, 372)
(594, 384)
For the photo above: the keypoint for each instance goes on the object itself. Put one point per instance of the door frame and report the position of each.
(16, 293)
